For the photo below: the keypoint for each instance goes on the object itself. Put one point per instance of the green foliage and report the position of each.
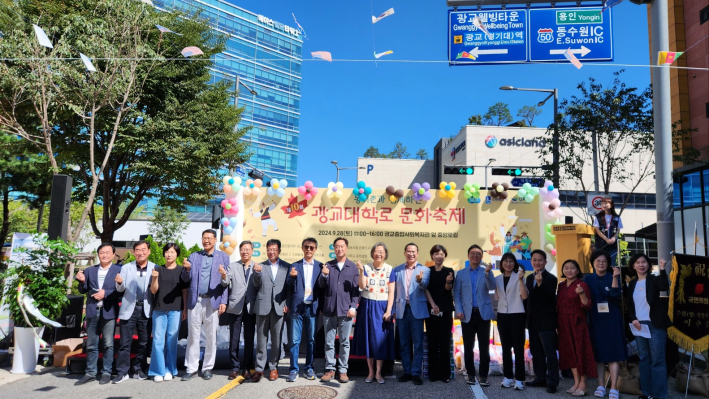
(498, 115)
(475, 120)
(42, 274)
(156, 253)
(528, 113)
(422, 154)
(399, 151)
(167, 224)
(373, 152)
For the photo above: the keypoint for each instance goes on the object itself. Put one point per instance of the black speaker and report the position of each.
(216, 216)
(59, 207)
(71, 318)
(568, 219)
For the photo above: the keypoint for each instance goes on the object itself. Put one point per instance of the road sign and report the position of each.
(534, 181)
(504, 41)
(517, 171)
(593, 202)
(458, 170)
(586, 31)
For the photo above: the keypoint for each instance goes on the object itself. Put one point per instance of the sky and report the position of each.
(348, 106)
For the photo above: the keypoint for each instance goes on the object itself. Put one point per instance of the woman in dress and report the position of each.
(606, 321)
(575, 350)
(607, 225)
(645, 308)
(374, 336)
(169, 293)
(439, 326)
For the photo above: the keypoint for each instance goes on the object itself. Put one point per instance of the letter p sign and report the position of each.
(370, 168)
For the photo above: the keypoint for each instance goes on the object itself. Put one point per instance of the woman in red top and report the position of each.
(575, 350)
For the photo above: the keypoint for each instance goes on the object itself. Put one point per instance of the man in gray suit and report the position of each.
(240, 309)
(270, 307)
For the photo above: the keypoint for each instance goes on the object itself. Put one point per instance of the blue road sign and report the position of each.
(586, 31)
(534, 181)
(504, 41)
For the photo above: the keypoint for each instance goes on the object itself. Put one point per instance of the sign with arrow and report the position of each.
(587, 31)
(534, 181)
(504, 42)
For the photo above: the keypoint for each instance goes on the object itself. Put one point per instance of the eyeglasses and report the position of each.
(476, 254)
(309, 247)
(208, 239)
(380, 252)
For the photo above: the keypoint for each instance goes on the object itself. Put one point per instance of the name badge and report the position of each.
(603, 307)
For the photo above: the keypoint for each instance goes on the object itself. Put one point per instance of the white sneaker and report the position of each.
(507, 383)
(158, 378)
(168, 376)
(519, 386)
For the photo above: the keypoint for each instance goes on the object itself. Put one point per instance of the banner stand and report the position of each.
(689, 371)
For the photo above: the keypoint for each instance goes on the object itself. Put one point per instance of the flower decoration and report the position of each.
(277, 187)
(499, 190)
(228, 244)
(446, 190)
(253, 187)
(231, 184)
(527, 192)
(471, 190)
(551, 206)
(308, 190)
(421, 191)
(335, 189)
(394, 194)
(551, 249)
(551, 238)
(228, 224)
(362, 191)
(230, 206)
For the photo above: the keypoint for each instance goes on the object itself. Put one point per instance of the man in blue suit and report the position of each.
(409, 282)
(207, 299)
(303, 283)
(473, 308)
(99, 283)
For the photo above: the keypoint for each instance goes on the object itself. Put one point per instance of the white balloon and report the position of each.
(271, 191)
(280, 192)
(256, 191)
(330, 185)
(225, 180)
(330, 194)
(338, 194)
(284, 183)
(340, 185)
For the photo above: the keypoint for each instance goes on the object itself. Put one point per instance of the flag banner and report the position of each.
(689, 302)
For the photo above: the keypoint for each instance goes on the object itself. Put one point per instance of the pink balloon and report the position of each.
(308, 184)
(553, 252)
(301, 190)
(226, 223)
(313, 190)
(223, 203)
(308, 196)
(545, 205)
(549, 215)
(232, 201)
(555, 202)
(361, 191)
(558, 212)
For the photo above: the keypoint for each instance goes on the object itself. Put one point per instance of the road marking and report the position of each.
(477, 391)
(226, 388)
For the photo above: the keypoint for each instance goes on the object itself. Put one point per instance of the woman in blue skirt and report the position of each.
(606, 325)
(374, 336)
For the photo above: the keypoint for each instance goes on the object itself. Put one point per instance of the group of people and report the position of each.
(581, 317)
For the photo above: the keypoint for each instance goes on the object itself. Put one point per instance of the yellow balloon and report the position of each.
(229, 250)
(451, 194)
(452, 185)
(442, 193)
(500, 189)
(338, 194)
(392, 198)
(442, 186)
(330, 194)
(275, 185)
(221, 247)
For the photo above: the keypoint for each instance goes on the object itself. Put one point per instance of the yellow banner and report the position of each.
(495, 224)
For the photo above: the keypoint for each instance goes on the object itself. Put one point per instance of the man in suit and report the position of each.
(303, 283)
(206, 300)
(541, 323)
(473, 308)
(240, 309)
(339, 285)
(270, 306)
(98, 282)
(134, 313)
(409, 282)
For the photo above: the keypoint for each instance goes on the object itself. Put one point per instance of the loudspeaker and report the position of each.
(569, 220)
(216, 216)
(59, 207)
(71, 318)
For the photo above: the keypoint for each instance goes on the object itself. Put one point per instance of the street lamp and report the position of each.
(555, 141)
(236, 90)
(490, 161)
(339, 169)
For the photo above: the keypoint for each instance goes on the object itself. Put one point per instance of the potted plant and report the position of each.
(40, 272)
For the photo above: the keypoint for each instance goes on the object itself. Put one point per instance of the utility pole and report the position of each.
(594, 145)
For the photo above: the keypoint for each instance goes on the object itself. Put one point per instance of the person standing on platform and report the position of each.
(304, 303)
(511, 319)
(409, 282)
(169, 292)
(606, 325)
(207, 299)
(374, 336)
(270, 308)
(607, 225)
(241, 299)
(98, 282)
(473, 307)
(133, 282)
(541, 323)
(439, 325)
(339, 282)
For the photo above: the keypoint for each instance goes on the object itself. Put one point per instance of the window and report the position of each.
(691, 190)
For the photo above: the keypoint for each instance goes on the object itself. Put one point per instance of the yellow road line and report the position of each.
(226, 388)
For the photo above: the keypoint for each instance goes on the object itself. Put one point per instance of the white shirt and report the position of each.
(340, 265)
(308, 280)
(642, 308)
(274, 269)
(101, 278)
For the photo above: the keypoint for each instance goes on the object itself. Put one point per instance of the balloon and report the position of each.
(233, 221)
(442, 193)
(549, 215)
(467, 186)
(549, 247)
(284, 183)
(333, 188)
(226, 244)
(227, 189)
(451, 194)
(225, 180)
(400, 193)
(476, 194)
(228, 206)
(223, 203)
(417, 197)
(274, 184)
(477, 186)
(367, 190)
(550, 188)
(522, 193)
(415, 187)
(494, 186)
(314, 190)
(447, 187)
(558, 212)
(527, 186)
(555, 203)
(362, 197)
(339, 185)
(426, 196)
(547, 227)
(452, 184)
(506, 186)
(232, 201)
(545, 205)
(392, 198)
(271, 191)
(390, 190)
(467, 194)
(308, 196)
(426, 186)
(301, 190)
(535, 191)
(360, 191)
(421, 190)
(361, 184)
(338, 194)
(229, 250)
(553, 252)
(225, 222)
(330, 194)
(499, 189)
(255, 191)
(308, 184)
(280, 192)
(503, 195)
(228, 230)
(529, 198)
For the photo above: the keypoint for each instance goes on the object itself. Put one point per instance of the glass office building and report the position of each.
(267, 56)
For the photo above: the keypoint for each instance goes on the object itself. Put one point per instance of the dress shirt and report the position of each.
(408, 274)
(474, 281)
(205, 274)
(308, 280)
(274, 268)
(340, 265)
(102, 272)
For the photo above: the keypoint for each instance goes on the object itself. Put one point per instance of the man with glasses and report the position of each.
(409, 281)
(302, 280)
(134, 314)
(473, 308)
(206, 300)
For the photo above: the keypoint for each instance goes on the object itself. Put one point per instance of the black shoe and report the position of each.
(483, 382)
(470, 380)
(207, 374)
(120, 378)
(417, 380)
(86, 378)
(432, 378)
(188, 376)
(105, 379)
(140, 375)
(446, 380)
(536, 383)
(551, 389)
(405, 378)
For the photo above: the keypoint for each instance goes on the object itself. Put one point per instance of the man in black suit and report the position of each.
(541, 323)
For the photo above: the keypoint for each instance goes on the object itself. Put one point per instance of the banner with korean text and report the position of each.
(495, 224)
(689, 302)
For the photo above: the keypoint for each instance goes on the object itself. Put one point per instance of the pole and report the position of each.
(662, 115)
(555, 155)
(689, 371)
(338, 174)
(485, 177)
(595, 159)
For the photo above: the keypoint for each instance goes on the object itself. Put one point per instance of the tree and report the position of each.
(528, 113)
(140, 127)
(167, 225)
(399, 151)
(373, 152)
(475, 120)
(498, 115)
(422, 154)
(682, 150)
(622, 119)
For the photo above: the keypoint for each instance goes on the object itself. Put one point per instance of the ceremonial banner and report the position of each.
(689, 302)
(493, 223)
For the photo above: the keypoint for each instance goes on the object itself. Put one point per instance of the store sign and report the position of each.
(515, 142)
(278, 26)
(460, 147)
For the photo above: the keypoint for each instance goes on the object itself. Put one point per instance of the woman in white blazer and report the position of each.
(511, 319)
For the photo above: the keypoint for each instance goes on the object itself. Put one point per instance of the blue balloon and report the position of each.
(448, 187)
(226, 244)
(233, 222)
(228, 230)
(224, 221)
(367, 190)
(550, 188)
(362, 197)
(280, 192)
(231, 182)
(361, 184)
